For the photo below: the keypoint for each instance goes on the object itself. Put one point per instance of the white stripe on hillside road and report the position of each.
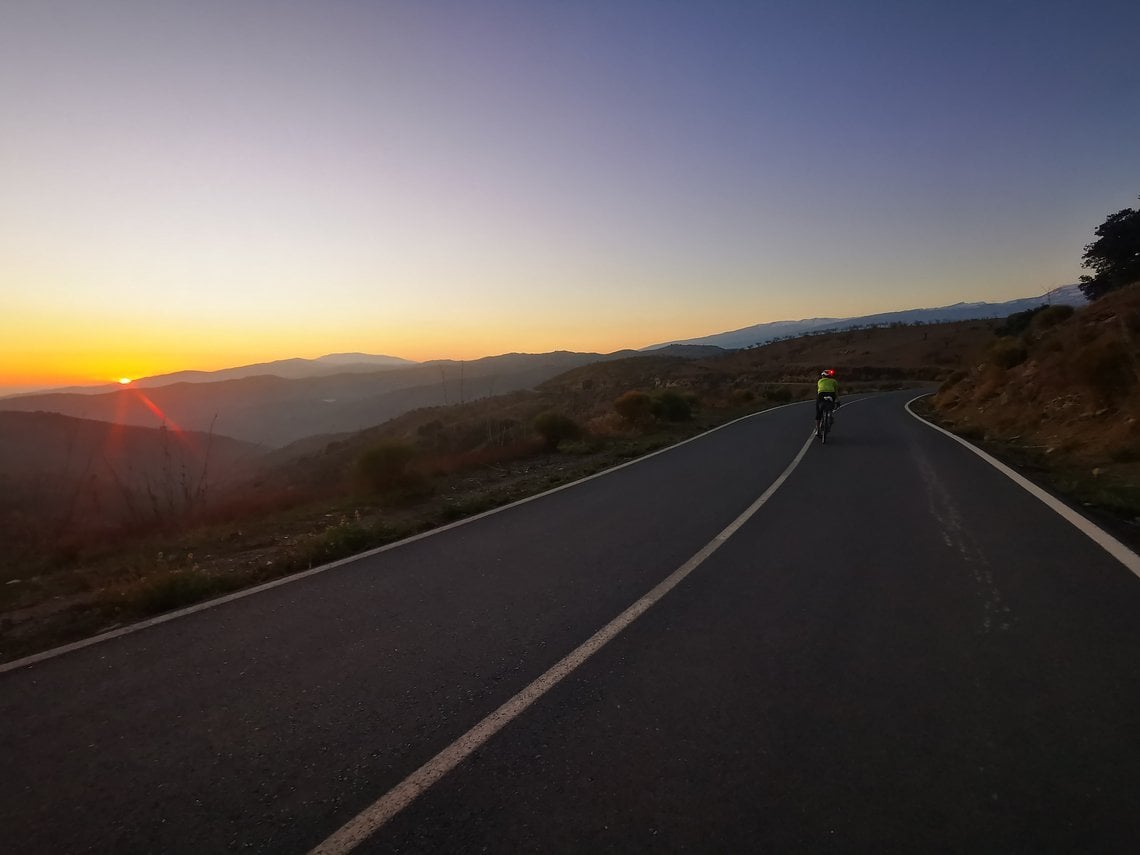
(361, 827)
(1098, 535)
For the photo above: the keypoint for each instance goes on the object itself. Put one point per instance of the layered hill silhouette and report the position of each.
(277, 403)
(290, 369)
(274, 411)
(780, 371)
(333, 363)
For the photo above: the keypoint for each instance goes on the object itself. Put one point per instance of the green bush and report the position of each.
(469, 507)
(172, 590)
(1018, 322)
(672, 407)
(1106, 367)
(555, 427)
(635, 407)
(385, 467)
(1008, 353)
(743, 396)
(346, 538)
(1050, 316)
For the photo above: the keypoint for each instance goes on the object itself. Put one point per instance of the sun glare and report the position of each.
(124, 381)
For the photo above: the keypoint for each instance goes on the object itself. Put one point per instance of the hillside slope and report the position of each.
(81, 475)
(1062, 390)
(787, 370)
(275, 411)
(924, 352)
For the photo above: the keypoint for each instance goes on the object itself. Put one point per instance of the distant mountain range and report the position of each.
(271, 410)
(290, 369)
(333, 363)
(273, 404)
(762, 333)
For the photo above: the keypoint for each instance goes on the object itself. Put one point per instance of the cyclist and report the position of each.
(827, 387)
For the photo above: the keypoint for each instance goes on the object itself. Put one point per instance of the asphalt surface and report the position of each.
(901, 651)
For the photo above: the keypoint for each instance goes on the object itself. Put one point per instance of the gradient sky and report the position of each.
(210, 183)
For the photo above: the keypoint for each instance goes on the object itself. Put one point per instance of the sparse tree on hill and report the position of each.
(556, 427)
(635, 407)
(385, 466)
(1114, 255)
(672, 407)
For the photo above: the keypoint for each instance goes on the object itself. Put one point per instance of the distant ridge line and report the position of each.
(763, 333)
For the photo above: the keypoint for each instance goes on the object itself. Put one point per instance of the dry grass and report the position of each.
(1067, 410)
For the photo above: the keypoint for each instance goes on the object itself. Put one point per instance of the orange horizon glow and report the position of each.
(80, 356)
(94, 347)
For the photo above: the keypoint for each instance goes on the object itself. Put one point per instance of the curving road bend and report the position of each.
(900, 650)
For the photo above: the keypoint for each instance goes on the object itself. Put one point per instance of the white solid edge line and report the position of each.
(1098, 535)
(312, 571)
(364, 824)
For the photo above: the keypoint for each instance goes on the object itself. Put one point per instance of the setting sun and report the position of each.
(124, 381)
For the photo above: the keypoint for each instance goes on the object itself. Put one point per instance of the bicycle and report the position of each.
(826, 417)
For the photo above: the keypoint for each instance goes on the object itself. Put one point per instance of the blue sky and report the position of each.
(202, 184)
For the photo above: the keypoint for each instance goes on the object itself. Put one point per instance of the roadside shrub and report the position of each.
(953, 379)
(587, 443)
(457, 509)
(486, 432)
(1018, 322)
(555, 427)
(1008, 353)
(1106, 367)
(635, 407)
(172, 590)
(446, 464)
(1050, 316)
(432, 435)
(672, 407)
(608, 425)
(385, 466)
(743, 396)
(347, 537)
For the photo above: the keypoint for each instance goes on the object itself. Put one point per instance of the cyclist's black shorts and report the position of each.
(819, 399)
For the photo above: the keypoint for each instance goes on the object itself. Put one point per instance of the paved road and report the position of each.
(901, 651)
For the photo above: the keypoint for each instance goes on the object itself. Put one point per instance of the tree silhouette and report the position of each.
(1114, 255)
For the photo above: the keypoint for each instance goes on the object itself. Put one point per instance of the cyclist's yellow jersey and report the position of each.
(827, 384)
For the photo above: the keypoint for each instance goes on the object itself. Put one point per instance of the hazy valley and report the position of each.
(272, 411)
